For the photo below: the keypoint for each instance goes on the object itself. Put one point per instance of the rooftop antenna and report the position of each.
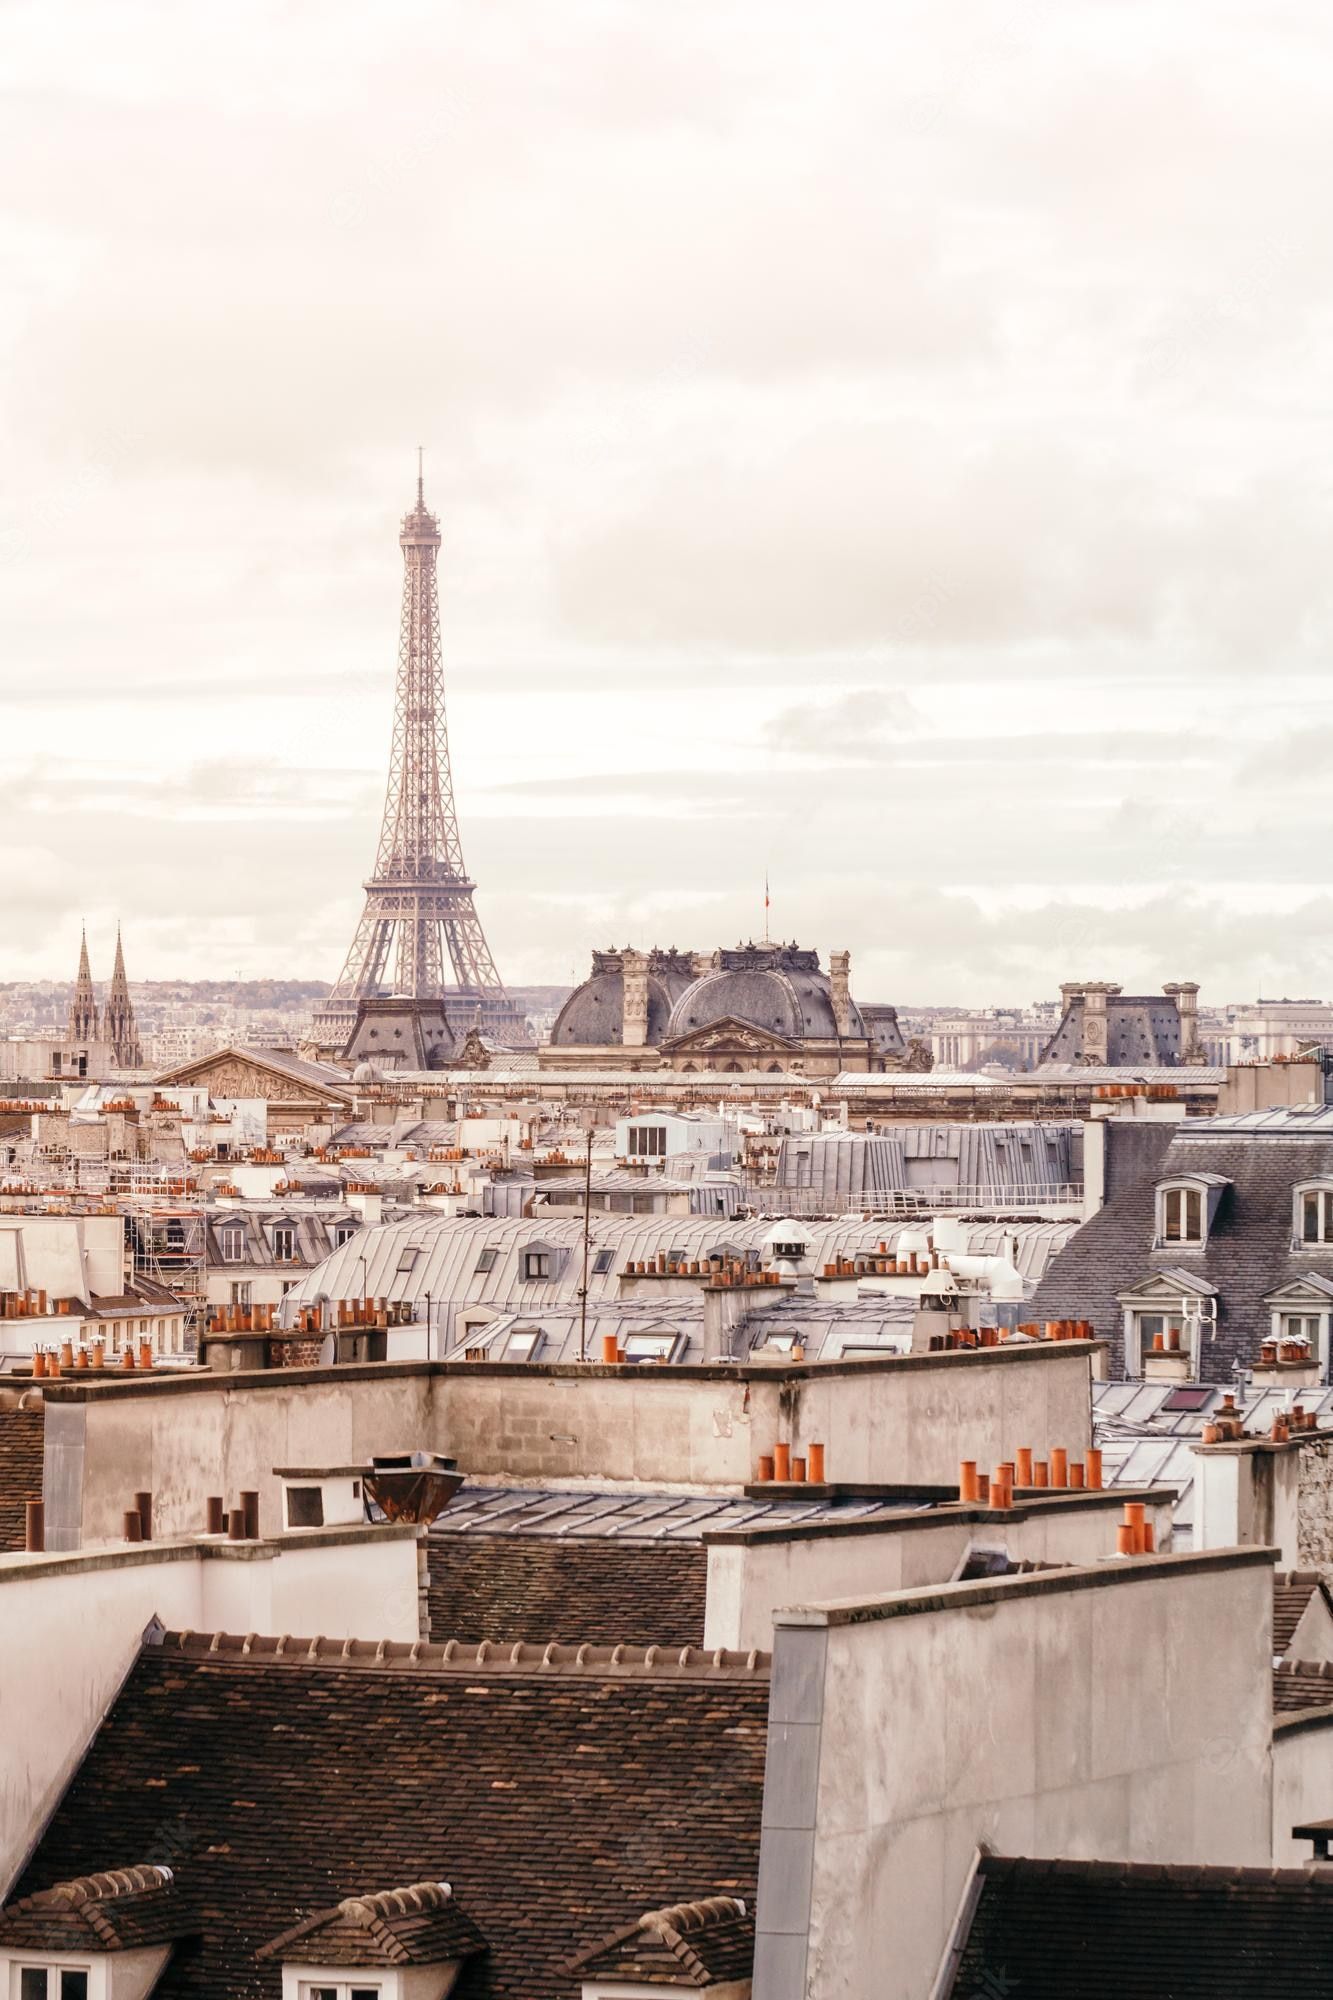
(421, 479)
(767, 938)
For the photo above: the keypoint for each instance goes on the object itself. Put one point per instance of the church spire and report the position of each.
(83, 1001)
(118, 1021)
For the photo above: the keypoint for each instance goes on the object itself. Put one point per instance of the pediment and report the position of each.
(730, 1036)
(1313, 1291)
(232, 1073)
(1167, 1286)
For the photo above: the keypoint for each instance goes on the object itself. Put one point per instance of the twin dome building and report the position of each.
(758, 1007)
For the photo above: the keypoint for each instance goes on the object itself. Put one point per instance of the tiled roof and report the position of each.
(419, 1925)
(506, 1587)
(1299, 1684)
(121, 1909)
(1079, 1930)
(1292, 1591)
(698, 1944)
(552, 1793)
(22, 1433)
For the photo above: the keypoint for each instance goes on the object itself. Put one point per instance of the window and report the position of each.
(486, 1261)
(319, 1992)
(240, 1293)
(1301, 1326)
(1316, 1215)
(523, 1343)
(408, 1258)
(284, 1243)
(1182, 1215)
(42, 1982)
(789, 1253)
(305, 1507)
(652, 1346)
(536, 1263)
(231, 1242)
(646, 1142)
(343, 1232)
(602, 1263)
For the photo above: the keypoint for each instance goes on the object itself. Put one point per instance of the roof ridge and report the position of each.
(101, 1888)
(453, 1655)
(1314, 1875)
(416, 1896)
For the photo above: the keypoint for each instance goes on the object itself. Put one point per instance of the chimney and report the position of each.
(1185, 993)
(634, 985)
(365, 1200)
(840, 970)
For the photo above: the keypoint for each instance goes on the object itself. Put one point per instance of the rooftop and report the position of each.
(560, 1791)
(1078, 1930)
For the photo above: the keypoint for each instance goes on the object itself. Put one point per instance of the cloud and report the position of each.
(877, 449)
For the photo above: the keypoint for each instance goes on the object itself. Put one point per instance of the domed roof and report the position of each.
(594, 1013)
(774, 987)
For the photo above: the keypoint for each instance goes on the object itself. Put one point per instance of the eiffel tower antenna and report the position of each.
(419, 911)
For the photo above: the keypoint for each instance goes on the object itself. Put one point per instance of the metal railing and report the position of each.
(1035, 1198)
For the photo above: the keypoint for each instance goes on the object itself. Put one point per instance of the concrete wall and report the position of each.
(906, 1419)
(1249, 1495)
(55, 1688)
(1087, 1713)
(185, 1439)
(1302, 1784)
(754, 1573)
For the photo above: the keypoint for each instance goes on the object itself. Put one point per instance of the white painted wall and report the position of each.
(1302, 1788)
(70, 1627)
(1100, 1721)
(749, 1582)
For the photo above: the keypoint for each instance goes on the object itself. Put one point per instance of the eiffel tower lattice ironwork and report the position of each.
(419, 912)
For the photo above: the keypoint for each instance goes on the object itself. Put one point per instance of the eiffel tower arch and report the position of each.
(420, 916)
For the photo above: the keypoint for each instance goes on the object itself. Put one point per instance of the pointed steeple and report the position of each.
(83, 1001)
(118, 1021)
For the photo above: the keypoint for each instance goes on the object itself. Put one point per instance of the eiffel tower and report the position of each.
(419, 912)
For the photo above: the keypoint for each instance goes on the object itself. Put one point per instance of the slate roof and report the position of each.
(1249, 1250)
(1079, 1930)
(697, 1944)
(552, 1795)
(1300, 1684)
(418, 1925)
(506, 1587)
(22, 1436)
(1292, 1591)
(120, 1909)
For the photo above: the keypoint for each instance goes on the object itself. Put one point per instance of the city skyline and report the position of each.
(843, 476)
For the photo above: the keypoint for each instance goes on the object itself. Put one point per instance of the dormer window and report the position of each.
(231, 1242)
(1187, 1208)
(312, 1991)
(1182, 1215)
(284, 1243)
(1314, 1214)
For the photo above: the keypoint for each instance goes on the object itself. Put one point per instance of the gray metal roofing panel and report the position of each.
(451, 1247)
(638, 1516)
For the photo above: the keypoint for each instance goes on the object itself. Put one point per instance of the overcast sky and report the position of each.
(883, 445)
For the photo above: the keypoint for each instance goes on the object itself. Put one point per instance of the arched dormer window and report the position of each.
(1312, 1213)
(1186, 1208)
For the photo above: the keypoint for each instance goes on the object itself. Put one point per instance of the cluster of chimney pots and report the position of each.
(785, 1467)
(71, 1357)
(1062, 1470)
(1227, 1426)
